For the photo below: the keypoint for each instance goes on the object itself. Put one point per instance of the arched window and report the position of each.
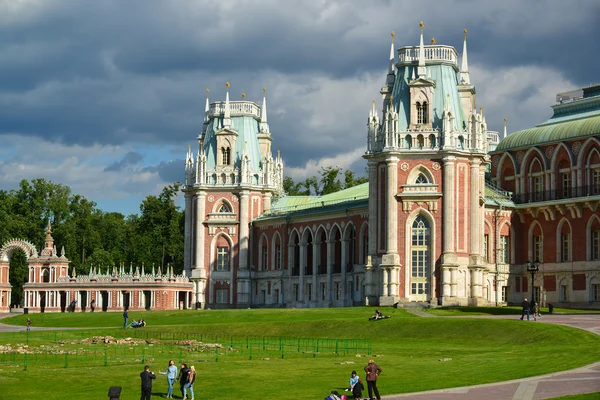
(222, 259)
(421, 179)
(461, 143)
(432, 141)
(225, 208)
(422, 112)
(425, 113)
(408, 141)
(226, 155)
(45, 275)
(420, 255)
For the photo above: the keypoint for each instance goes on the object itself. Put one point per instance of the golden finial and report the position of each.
(433, 41)
(227, 84)
(207, 90)
(393, 34)
(504, 120)
(475, 103)
(189, 146)
(480, 110)
(465, 32)
(265, 91)
(373, 101)
(278, 153)
(422, 25)
(243, 95)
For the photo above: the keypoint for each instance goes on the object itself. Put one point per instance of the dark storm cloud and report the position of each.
(112, 72)
(169, 171)
(131, 158)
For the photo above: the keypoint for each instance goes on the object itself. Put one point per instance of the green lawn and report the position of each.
(415, 353)
(510, 310)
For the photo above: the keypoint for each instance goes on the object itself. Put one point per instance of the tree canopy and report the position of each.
(89, 235)
(327, 182)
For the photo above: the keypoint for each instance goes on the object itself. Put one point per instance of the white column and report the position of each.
(244, 229)
(373, 182)
(448, 255)
(392, 205)
(187, 254)
(301, 273)
(199, 245)
(475, 220)
(384, 278)
(344, 261)
(330, 249)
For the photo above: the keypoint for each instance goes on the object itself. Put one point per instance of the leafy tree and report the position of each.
(327, 182)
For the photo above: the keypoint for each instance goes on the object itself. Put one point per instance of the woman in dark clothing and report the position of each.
(357, 389)
(183, 377)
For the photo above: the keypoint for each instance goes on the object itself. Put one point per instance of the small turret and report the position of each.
(422, 69)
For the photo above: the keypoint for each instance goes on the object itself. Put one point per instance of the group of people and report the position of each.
(356, 383)
(530, 308)
(186, 377)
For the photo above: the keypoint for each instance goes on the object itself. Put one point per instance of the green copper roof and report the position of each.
(247, 128)
(560, 127)
(446, 83)
(300, 205)
(495, 196)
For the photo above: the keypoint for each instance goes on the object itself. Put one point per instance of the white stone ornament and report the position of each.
(211, 198)
(549, 152)
(404, 166)
(435, 166)
(576, 148)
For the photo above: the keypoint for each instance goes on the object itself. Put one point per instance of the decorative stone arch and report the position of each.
(506, 158)
(584, 151)
(9, 247)
(275, 240)
(505, 229)
(213, 248)
(530, 233)
(263, 241)
(488, 230)
(593, 222)
(363, 250)
(307, 250)
(320, 246)
(416, 171)
(349, 240)
(556, 152)
(407, 252)
(594, 279)
(563, 225)
(223, 201)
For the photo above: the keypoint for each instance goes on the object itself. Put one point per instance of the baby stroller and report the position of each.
(335, 396)
(138, 324)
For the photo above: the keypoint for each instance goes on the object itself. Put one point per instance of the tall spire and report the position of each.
(392, 56)
(422, 69)
(505, 134)
(227, 113)
(464, 69)
(207, 107)
(264, 127)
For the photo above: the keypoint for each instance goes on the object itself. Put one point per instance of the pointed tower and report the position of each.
(426, 179)
(465, 89)
(235, 177)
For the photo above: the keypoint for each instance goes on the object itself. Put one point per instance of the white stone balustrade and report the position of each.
(410, 54)
(236, 108)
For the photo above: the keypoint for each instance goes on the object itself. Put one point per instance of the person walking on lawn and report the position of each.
(147, 377)
(525, 305)
(373, 371)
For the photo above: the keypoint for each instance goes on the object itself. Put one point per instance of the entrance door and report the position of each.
(84, 300)
(181, 299)
(42, 301)
(126, 297)
(147, 299)
(63, 301)
(104, 297)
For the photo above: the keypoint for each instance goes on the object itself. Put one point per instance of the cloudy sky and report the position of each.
(105, 96)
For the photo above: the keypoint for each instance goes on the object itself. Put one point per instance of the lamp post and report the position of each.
(532, 268)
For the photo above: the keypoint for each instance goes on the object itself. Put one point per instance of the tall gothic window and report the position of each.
(504, 257)
(422, 112)
(566, 184)
(538, 248)
(596, 181)
(265, 258)
(596, 245)
(226, 155)
(222, 258)
(277, 256)
(565, 246)
(420, 254)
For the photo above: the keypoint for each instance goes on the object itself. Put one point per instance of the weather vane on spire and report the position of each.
(422, 24)
(433, 41)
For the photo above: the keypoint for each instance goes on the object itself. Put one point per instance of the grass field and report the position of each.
(415, 353)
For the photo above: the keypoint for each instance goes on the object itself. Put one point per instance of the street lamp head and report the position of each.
(533, 267)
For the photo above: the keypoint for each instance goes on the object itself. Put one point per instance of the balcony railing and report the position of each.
(558, 194)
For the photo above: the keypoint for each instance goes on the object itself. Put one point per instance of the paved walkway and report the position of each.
(576, 381)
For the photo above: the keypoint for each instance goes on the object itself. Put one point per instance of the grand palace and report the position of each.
(452, 214)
